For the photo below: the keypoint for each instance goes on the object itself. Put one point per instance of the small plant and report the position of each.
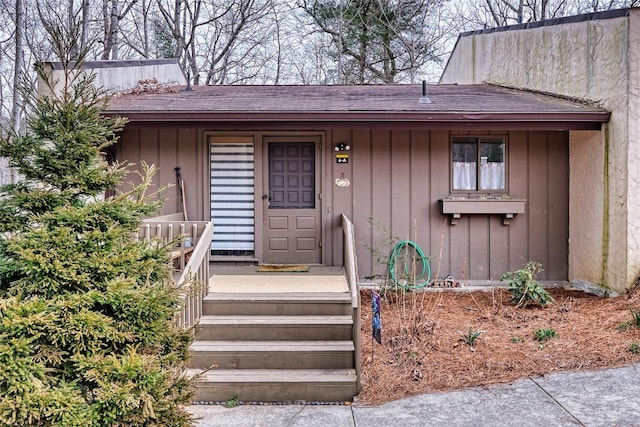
(636, 317)
(624, 326)
(544, 334)
(470, 337)
(524, 287)
(635, 321)
(634, 348)
(381, 253)
(406, 267)
(231, 403)
(516, 340)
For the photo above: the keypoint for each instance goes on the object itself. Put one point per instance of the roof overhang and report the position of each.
(432, 120)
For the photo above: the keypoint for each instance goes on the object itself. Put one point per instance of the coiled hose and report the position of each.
(408, 266)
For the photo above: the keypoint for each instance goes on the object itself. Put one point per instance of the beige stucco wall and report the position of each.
(569, 59)
(596, 61)
(586, 251)
(633, 181)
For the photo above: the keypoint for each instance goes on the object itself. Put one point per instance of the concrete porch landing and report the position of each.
(245, 279)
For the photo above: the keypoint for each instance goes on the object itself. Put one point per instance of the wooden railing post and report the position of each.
(351, 270)
(192, 261)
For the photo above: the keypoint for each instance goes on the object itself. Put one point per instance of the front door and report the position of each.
(292, 201)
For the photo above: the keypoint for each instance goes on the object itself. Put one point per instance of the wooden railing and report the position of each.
(351, 270)
(190, 258)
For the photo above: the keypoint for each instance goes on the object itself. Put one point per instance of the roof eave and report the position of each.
(360, 116)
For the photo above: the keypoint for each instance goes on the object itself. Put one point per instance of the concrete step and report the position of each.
(272, 354)
(275, 385)
(278, 328)
(298, 303)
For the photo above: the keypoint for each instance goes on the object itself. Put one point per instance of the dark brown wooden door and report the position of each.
(292, 219)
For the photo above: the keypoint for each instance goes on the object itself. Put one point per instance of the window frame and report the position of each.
(478, 140)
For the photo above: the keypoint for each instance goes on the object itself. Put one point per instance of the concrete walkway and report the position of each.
(609, 397)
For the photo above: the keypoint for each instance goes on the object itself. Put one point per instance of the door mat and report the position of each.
(283, 268)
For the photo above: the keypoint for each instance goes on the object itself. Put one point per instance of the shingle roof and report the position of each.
(450, 103)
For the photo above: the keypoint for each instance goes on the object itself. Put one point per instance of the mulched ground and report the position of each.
(423, 348)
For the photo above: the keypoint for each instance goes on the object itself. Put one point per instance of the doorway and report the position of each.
(291, 200)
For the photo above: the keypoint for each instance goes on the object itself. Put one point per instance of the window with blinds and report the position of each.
(232, 199)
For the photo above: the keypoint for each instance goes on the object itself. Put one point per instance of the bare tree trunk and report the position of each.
(70, 16)
(276, 79)
(85, 25)
(112, 15)
(520, 12)
(145, 28)
(16, 109)
(114, 26)
(106, 35)
(341, 79)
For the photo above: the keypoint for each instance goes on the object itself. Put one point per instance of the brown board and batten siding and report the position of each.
(397, 177)
(168, 147)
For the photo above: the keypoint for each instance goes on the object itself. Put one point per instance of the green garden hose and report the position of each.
(414, 271)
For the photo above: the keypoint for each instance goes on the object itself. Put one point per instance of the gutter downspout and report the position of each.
(605, 213)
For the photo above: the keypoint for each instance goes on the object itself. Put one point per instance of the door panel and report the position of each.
(292, 212)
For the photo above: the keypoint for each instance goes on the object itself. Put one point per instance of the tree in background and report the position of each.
(264, 41)
(217, 39)
(496, 13)
(86, 331)
(113, 11)
(384, 41)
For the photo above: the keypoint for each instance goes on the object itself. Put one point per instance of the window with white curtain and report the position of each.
(478, 164)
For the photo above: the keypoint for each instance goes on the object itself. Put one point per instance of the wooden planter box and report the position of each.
(506, 207)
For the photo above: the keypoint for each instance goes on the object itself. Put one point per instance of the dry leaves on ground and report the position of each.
(424, 350)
